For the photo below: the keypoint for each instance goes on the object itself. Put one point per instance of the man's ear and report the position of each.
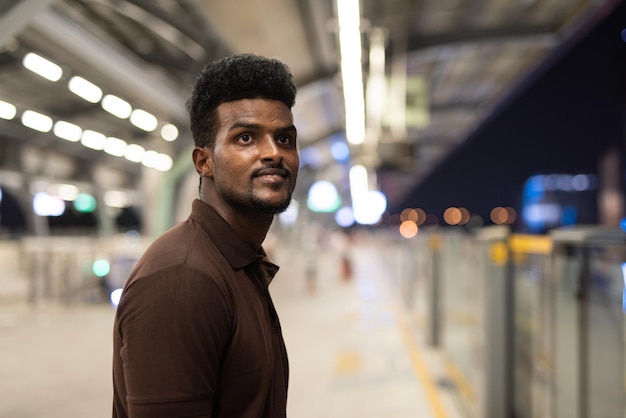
(202, 161)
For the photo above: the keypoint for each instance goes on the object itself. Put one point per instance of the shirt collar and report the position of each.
(266, 270)
(233, 248)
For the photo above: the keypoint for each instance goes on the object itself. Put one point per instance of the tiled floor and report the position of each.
(352, 352)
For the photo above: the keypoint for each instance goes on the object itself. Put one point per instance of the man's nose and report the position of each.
(270, 150)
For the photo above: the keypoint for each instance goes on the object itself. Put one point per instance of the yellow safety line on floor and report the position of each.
(460, 381)
(420, 368)
(348, 362)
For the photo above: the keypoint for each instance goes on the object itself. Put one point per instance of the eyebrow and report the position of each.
(256, 126)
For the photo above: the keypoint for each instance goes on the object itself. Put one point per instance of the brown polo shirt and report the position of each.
(196, 333)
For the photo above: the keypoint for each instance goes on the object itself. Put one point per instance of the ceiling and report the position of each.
(456, 59)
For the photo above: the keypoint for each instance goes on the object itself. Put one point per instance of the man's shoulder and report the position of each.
(180, 246)
(175, 239)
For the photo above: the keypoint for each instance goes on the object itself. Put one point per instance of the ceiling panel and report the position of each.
(467, 55)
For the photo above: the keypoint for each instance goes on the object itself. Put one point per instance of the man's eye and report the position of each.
(285, 140)
(245, 138)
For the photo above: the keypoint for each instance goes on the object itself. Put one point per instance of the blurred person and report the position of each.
(340, 242)
(196, 333)
(311, 245)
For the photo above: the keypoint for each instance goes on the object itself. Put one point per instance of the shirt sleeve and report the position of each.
(174, 326)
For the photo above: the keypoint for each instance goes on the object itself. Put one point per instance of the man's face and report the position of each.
(255, 159)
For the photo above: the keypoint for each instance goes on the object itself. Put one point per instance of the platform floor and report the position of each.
(352, 351)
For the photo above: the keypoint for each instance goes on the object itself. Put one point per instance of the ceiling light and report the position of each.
(359, 182)
(85, 89)
(348, 16)
(7, 110)
(85, 203)
(43, 67)
(143, 120)
(340, 151)
(115, 146)
(323, 197)
(67, 192)
(46, 205)
(116, 199)
(134, 153)
(169, 132)
(116, 106)
(164, 162)
(376, 90)
(36, 121)
(369, 209)
(344, 217)
(153, 159)
(149, 158)
(92, 139)
(67, 131)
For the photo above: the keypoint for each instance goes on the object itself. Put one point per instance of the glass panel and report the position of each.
(462, 300)
(523, 341)
(605, 367)
(532, 340)
(567, 265)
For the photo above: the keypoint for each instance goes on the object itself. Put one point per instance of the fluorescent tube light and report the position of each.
(92, 139)
(143, 120)
(42, 66)
(348, 16)
(116, 106)
(67, 131)
(115, 146)
(169, 132)
(36, 121)
(134, 153)
(85, 89)
(7, 110)
(164, 162)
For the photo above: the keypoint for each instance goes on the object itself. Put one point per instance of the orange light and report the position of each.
(452, 216)
(512, 215)
(408, 229)
(465, 216)
(421, 216)
(499, 215)
(409, 214)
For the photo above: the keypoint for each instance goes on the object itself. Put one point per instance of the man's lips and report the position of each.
(271, 172)
(272, 175)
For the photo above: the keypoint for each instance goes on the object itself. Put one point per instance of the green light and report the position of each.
(327, 207)
(85, 203)
(101, 268)
(323, 197)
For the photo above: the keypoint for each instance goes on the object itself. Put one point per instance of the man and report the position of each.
(196, 333)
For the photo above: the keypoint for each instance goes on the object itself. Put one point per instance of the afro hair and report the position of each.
(236, 77)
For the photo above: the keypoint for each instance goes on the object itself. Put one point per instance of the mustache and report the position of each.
(276, 170)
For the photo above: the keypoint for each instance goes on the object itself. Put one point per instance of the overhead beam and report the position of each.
(418, 42)
(19, 17)
(124, 71)
(314, 16)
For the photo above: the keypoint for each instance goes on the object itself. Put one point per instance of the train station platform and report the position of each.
(353, 351)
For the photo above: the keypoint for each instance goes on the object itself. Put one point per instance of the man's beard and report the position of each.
(264, 207)
(250, 201)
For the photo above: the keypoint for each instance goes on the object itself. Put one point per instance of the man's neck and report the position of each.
(250, 225)
(251, 229)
